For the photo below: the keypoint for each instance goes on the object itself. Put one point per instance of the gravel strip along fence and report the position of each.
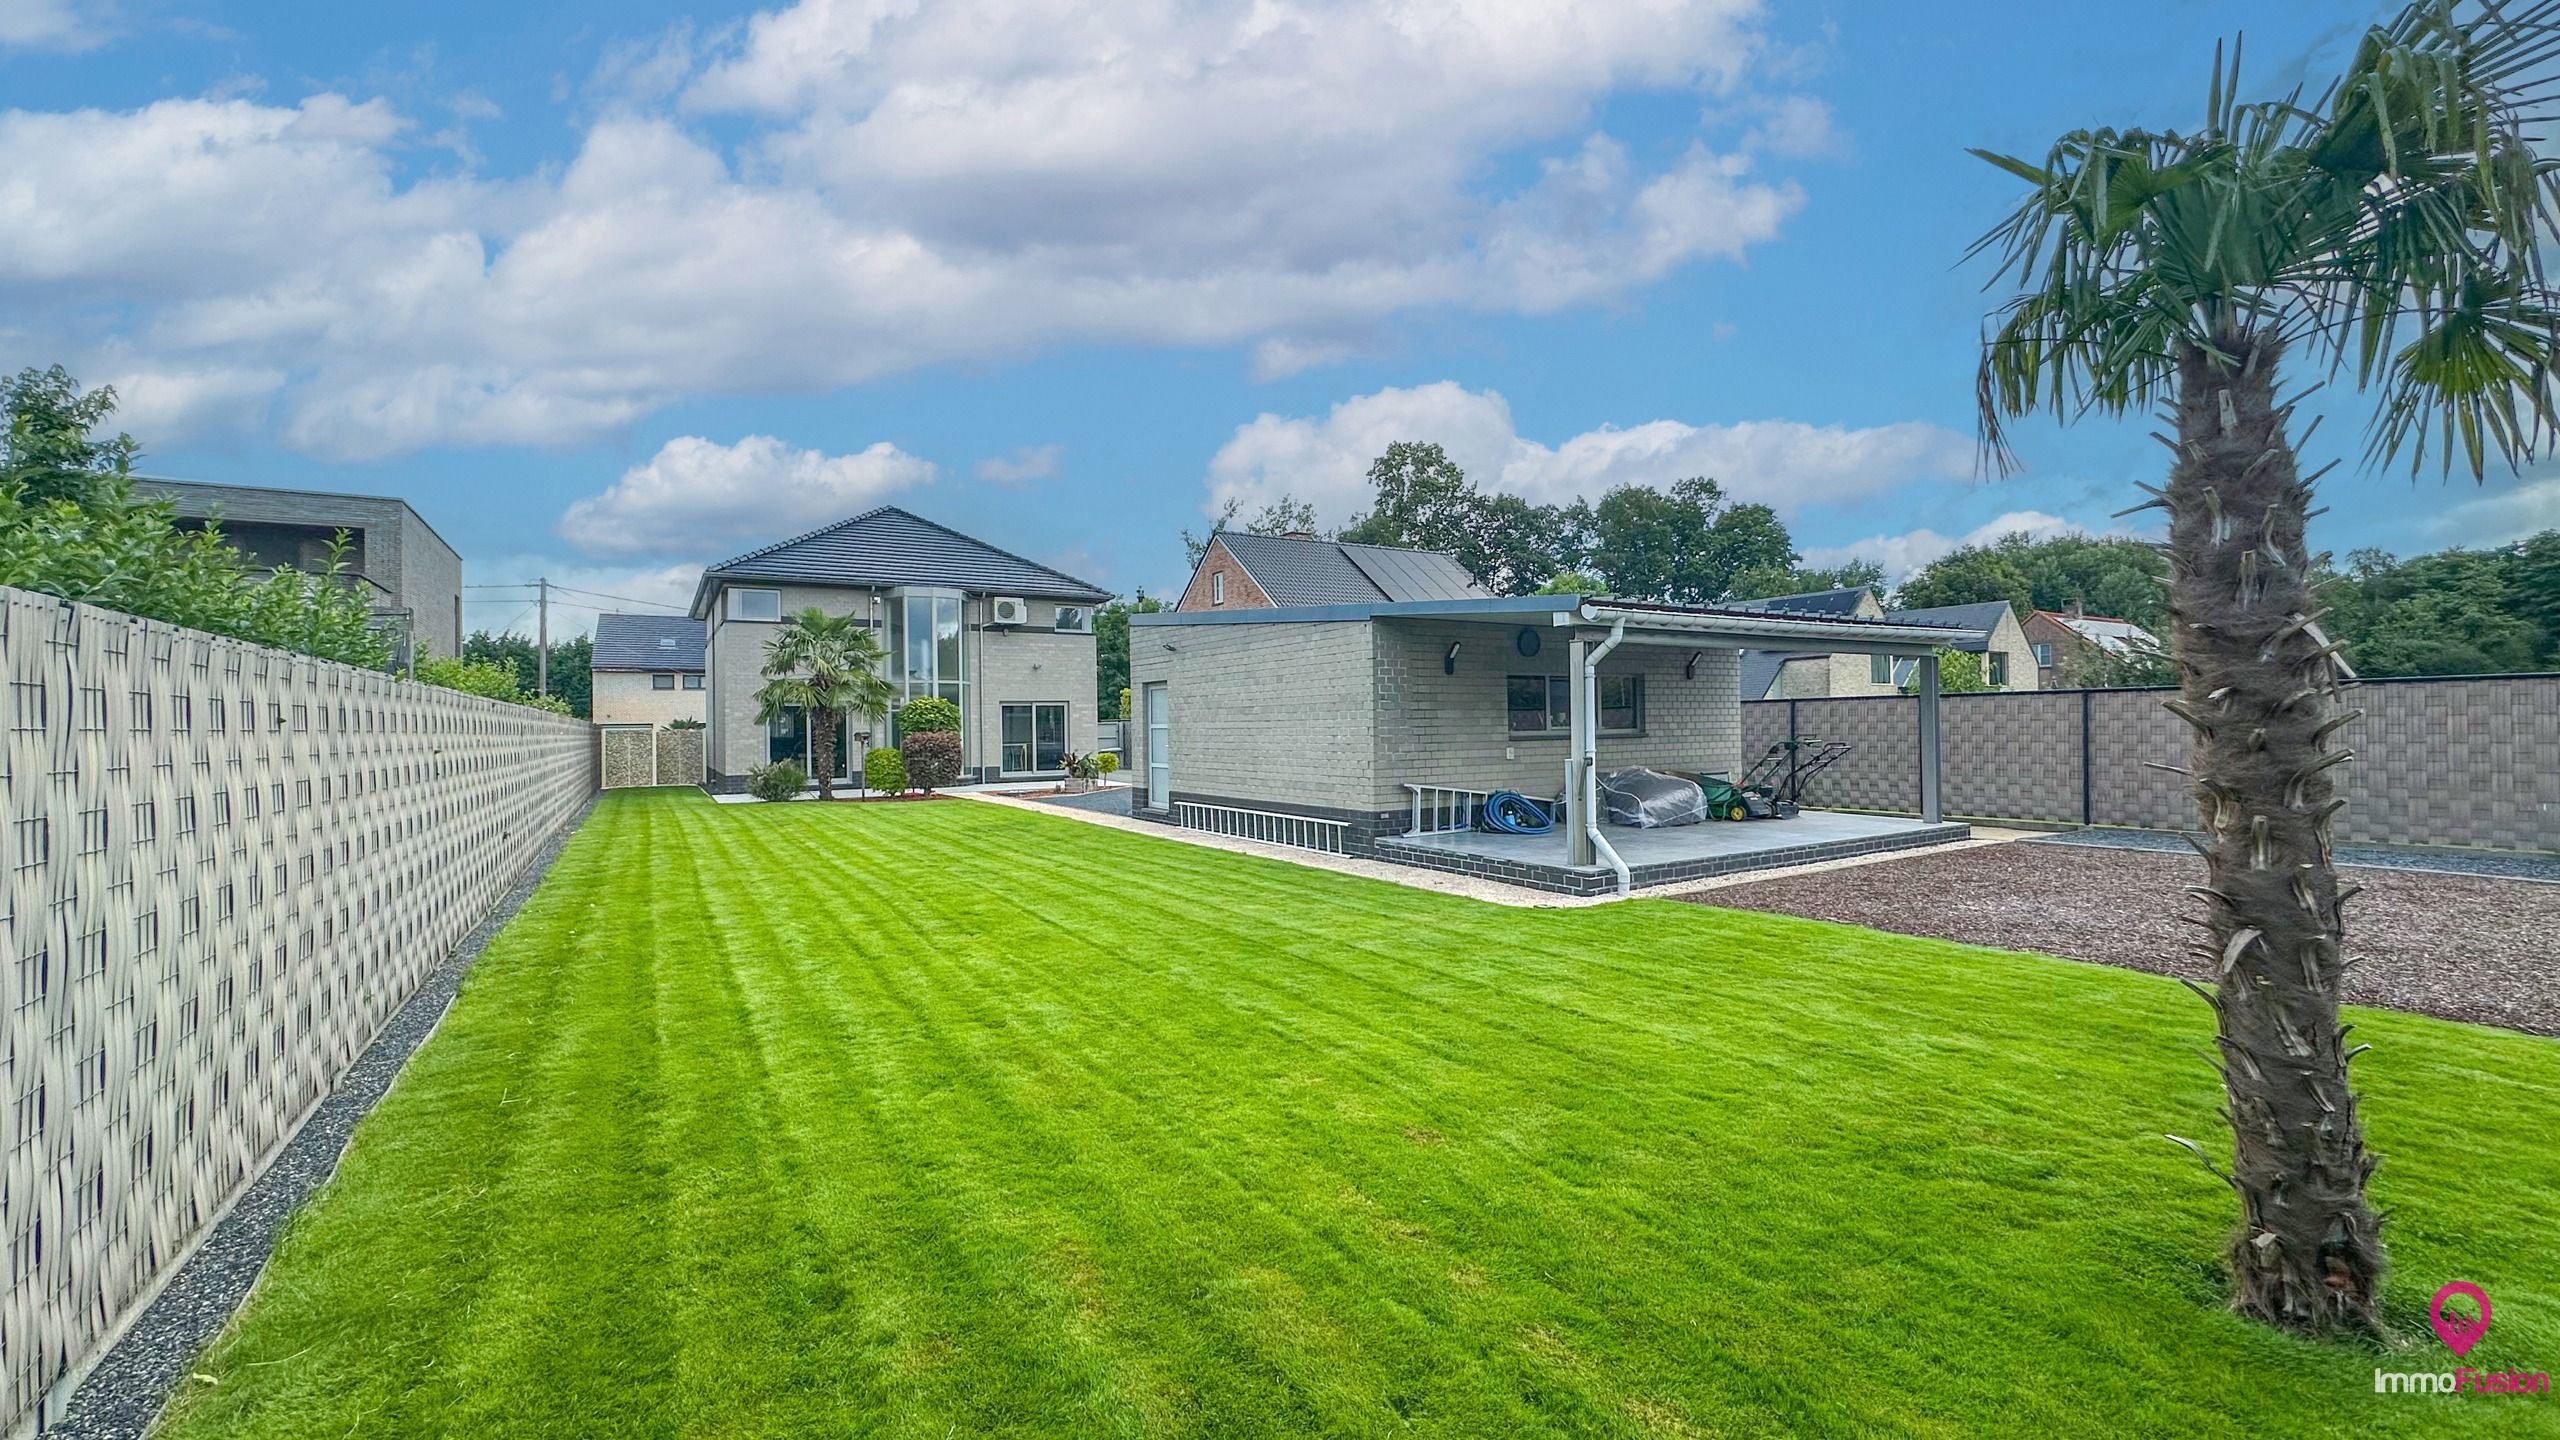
(2495, 864)
(130, 1384)
(2462, 947)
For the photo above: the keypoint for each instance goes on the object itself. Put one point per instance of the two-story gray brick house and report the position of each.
(1008, 640)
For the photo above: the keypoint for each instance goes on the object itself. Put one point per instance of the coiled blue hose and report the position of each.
(1513, 813)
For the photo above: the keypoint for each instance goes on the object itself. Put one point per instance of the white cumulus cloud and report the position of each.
(2525, 507)
(893, 185)
(1786, 464)
(1904, 553)
(48, 25)
(695, 496)
(1025, 465)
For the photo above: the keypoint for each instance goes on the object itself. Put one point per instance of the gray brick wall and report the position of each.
(1336, 717)
(1030, 665)
(1453, 729)
(2438, 762)
(1268, 716)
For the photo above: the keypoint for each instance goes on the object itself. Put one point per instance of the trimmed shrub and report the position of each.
(933, 758)
(781, 780)
(928, 714)
(1106, 763)
(885, 770)
(682, 723)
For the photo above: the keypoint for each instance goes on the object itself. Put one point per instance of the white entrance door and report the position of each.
(1159, 740)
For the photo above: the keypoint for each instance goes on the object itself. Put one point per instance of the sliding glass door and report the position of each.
(786, 737)
(1035, 739)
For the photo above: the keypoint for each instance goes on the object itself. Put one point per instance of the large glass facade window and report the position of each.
(928, 646)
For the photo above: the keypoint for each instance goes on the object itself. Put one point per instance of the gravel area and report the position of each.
(2503, 864)
(1114, 801)
(2459, 946)
(124, 1393)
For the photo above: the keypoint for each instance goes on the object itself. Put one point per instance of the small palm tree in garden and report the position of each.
(826, 667)
(2390, 230)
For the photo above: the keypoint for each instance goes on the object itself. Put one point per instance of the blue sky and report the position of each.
(610, 291)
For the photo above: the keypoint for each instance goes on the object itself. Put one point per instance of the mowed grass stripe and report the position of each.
(947, 1119)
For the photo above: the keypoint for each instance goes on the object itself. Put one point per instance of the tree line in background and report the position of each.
(2453, 612)
(572, 666)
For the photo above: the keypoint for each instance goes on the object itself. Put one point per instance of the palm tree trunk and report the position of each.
(822, 749)
(2260, 685)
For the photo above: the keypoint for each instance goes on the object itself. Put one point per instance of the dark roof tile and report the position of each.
(648, 642)
(890, 546)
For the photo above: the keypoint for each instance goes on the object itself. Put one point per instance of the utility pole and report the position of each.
(542, 639)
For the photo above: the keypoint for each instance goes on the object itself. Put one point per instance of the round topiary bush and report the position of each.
(933, 758)
(1106, 763)
(885, 770)
(781, 780)
(928, 714)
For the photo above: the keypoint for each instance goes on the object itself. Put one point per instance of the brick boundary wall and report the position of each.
(2469, 761)
(223, 868)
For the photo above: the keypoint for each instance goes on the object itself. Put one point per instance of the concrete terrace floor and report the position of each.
(1672, 844)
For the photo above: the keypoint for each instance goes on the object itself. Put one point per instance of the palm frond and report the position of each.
(2408, 195)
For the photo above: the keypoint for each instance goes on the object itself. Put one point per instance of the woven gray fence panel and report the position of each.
(2133, 746)
(223, 868)
(2438, 762)
(1882, 769)
(2010, 756)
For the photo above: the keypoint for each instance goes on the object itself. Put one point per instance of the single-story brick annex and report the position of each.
(1345, 725)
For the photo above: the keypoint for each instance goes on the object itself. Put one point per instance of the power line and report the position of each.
(625, 599)
(572, 589)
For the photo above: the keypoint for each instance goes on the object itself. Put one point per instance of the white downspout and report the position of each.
(1590, 805)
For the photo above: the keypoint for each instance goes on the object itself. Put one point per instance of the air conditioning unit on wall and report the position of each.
(1008, 610)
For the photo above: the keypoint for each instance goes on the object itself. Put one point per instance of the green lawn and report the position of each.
(945, 1119)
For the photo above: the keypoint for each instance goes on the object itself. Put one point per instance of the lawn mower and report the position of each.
(1777, 779)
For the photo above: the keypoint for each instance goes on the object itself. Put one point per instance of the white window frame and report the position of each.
(1879, 669)
(1217, 587)
(737, 608)
(2044, 654)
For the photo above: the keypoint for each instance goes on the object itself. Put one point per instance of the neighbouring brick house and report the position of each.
(1008, 640)
(1332, 713)
(647, 670)
(412, 576)
(2056, 638)
(1244, 571)
(1991, 630)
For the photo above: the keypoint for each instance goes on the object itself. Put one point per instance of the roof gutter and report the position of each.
(1773, 627)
